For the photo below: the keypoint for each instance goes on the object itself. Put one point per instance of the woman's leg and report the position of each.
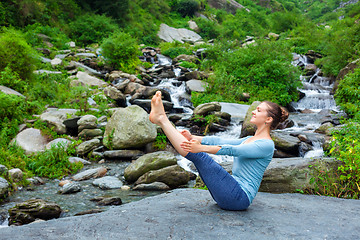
(224, 189)
(158, 116)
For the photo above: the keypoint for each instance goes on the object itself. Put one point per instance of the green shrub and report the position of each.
(52, 163)
(91, 28)
(186, 64)
(58, 38)
(175, 49)
(11, 79)
(121, 51)
(186, 7)
(343, 181)
(16, 54)
(160, 142)
(208, 29)
(263, 70)
(348, 94)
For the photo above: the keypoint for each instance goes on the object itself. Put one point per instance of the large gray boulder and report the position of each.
(151, 161)
(286, 143)
(87, 122)
(170, 34)
(31, 140)
(205, 108)
(248, 128)
(286, 175)
(173, 176)
(270, 216)
(129, 127)
(108, 182)
(4, 188)
(28, 211)
(116, 95)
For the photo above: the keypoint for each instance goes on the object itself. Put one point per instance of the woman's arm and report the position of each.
(211, 140)
(195, 146)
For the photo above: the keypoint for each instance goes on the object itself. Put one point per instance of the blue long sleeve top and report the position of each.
(250, 160)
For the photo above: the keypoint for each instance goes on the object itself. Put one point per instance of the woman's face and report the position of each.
(260, 115)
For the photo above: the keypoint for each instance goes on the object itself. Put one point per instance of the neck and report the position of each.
(262, 131)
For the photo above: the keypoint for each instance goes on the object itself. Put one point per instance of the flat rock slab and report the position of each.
(192, 214)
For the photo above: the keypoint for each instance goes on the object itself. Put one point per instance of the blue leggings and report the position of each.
(224, 189)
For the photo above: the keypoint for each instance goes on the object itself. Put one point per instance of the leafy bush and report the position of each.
(263, 70)
(91, 28)
(160, 142)
(208, 29)
(58, 38)
(53, 163)
(186, 7)
(186, 64)
(348, 94)
(16, 54)
(121, 51)
(175, 49)
(11, 79)
(343, 181)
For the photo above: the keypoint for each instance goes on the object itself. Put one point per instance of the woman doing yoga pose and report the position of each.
(252, 154)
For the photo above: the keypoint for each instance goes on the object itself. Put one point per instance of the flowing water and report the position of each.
(317, 97)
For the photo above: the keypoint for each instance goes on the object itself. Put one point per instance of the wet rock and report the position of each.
(170, 34)
(9, 91)
(285, 142)
(288, 123)
(214, 127)
(47, 72)
(91, 173)
(325, 128)
(87, 146)
(304, 148)
(132, 88)
(70, 188)
(155, 186)
(3, 170)
(248, 128)
(123, 154)
(167, 74)
(16, 174)
(90, 133)
(87, 122)
(31, 140)
(63, 142)
(91, 81)
(195, 75)
(63, 182)
(4, 188)
(304, 138)
(196, 86)
(28, 211)
(173, 176)
(77, 159)
(108, 182)
(205, 108)
(105, 201)
(310, 69)
(115, 95)
(129, 127)
(148, 162)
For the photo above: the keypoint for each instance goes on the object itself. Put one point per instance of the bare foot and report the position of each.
(157, 112)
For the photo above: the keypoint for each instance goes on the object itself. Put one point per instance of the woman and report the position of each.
(252, 154)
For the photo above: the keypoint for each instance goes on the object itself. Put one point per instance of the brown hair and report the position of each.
(278, 114)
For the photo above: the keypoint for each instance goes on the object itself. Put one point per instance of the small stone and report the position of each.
(62, 183)
(87, 122)
(77, 159)
(3, 169)
(91, 173)
(155, 186)
(90, 133)
(16, 174)
(56, 62)
(125, 188)
(108, 182)
(70, 188)
(107, 201)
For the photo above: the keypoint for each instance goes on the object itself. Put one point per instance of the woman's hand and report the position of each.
(193, 146)
(186, 134)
